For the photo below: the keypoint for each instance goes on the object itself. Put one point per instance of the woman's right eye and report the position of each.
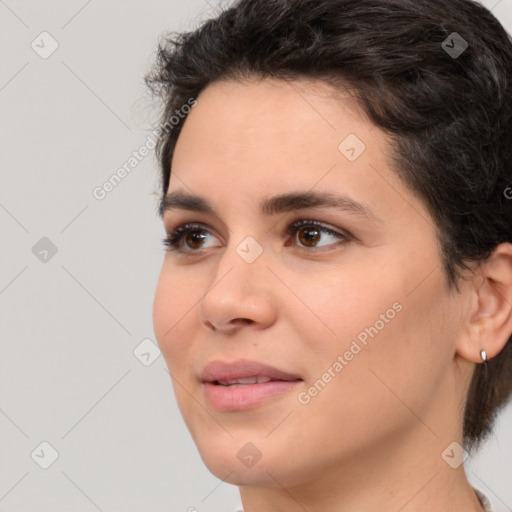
(191, 235)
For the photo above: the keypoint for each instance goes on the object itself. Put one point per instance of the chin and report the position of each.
(228, 467)
(260, 463)
(235, 460)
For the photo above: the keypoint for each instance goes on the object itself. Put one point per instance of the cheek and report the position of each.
(392, 343)
(173, 310)
(344, 305)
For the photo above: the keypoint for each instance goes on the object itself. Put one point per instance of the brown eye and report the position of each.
(188, 238)
(309, 236)
(193, 239)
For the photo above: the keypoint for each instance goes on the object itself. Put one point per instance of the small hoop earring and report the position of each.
(483, 355)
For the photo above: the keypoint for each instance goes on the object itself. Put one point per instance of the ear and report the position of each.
(489, 314)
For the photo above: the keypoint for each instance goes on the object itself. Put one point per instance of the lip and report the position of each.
(242, 368)
(246, 396)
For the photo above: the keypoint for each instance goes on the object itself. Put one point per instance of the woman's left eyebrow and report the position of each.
(291, 201)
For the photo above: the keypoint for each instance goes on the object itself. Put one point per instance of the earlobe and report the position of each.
(489, 324)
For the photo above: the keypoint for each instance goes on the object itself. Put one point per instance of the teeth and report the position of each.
(246, 380)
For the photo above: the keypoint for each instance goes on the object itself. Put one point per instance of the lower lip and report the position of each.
(235, 398)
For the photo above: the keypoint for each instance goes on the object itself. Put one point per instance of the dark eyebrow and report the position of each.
(272, 205)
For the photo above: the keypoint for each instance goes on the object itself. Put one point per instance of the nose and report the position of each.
(240, 294)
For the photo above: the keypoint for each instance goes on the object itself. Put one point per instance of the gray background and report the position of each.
(72, 321)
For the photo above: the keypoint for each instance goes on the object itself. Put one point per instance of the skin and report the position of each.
(372, 439)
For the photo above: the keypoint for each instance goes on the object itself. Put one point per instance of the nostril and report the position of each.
(243, 320)
(208, 324)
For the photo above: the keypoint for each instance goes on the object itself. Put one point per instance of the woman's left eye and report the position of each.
(307, 232)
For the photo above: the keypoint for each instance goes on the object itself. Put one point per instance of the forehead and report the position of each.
(259, 109)
(243, 141)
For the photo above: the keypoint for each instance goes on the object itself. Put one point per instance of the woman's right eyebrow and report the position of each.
(281, 203)
(180, 200)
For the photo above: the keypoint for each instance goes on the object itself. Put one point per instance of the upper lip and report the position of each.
(242, 368)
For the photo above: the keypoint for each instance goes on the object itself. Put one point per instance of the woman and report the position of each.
(335, 304)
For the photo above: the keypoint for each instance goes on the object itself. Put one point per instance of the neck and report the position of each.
(408, 475)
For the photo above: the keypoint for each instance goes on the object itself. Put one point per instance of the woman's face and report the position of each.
(355, 307)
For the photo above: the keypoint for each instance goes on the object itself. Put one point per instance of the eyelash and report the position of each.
(173, 240)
